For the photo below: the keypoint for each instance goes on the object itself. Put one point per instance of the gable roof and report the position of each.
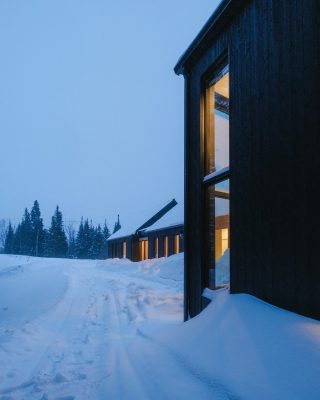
(142, 223)
(174, 217)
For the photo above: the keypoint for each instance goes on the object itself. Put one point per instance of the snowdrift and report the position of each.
(249, 349)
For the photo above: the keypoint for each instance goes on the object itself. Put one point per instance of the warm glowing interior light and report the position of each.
(222, 86)
(165, 246)
(124, 248)
(144, 249)
(176, 244)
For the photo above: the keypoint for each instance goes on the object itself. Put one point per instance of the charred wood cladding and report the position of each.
(252, 144)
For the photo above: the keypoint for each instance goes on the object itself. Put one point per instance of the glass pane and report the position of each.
(124, 250)
(165, 246)
(176, 244)
(218, 243)
(216, 134)
(143, 249)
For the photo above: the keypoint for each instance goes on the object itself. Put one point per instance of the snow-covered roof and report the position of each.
(138, 220)
(172, 218)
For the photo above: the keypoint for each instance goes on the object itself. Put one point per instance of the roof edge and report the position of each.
(173, 226)
(223, 11)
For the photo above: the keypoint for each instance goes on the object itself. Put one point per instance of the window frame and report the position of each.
(218, 176)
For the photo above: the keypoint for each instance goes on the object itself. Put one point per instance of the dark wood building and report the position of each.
(252, 145)
(159, 236)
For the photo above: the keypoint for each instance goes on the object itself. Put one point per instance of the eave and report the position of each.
(222, 15)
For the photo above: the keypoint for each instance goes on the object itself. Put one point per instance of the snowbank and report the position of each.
(167, 270)
(250, 349)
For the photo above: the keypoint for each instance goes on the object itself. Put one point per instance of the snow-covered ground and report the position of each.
(79, 329)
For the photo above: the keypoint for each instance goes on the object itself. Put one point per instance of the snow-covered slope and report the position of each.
(81, 329)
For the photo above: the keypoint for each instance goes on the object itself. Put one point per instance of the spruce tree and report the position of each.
(9, 241)
(106, 235)
(106, 231)
(97, 244)
(37, 230)
(87, 239)
(58, 245)
(117, 225)
(26, 234)
(80, 248)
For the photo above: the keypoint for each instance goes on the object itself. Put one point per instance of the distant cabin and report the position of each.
(160, 235)
(252, 154)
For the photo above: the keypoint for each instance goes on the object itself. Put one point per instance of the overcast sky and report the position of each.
(91, 112)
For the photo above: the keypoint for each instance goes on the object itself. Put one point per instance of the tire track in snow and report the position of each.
(138, 364)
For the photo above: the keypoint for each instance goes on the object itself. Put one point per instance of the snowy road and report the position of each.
(75, 330)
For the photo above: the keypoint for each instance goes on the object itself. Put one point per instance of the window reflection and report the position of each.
(217, 122)
(218, 231)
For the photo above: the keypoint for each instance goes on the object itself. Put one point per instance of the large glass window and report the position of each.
(176, 244)
(165, 246)
(144, 249)
(124, 249)
(216, 176)
(216, 141)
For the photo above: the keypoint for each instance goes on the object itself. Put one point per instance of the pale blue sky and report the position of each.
(91, 112)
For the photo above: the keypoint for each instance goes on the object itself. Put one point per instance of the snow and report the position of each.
(139, 217)
(223, 269)
(84, 329)
(216, 173)
(174, 217)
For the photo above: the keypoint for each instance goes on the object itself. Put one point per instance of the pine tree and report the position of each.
(9, 241)
(117, 225)
(37, 228)
(26, 234)
(57, 243)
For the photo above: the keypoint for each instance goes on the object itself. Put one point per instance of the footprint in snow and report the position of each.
(59, 378)
(81, 376)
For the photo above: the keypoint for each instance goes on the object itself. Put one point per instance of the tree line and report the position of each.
(31, 238)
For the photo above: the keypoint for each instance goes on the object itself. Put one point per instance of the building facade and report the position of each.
(252, 144)
(162, 235)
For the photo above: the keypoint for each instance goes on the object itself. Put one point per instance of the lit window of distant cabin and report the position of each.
(176, 244)
(143, 249)
(165, 246)
(124, 249)
(215, 134)
(156, 247)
